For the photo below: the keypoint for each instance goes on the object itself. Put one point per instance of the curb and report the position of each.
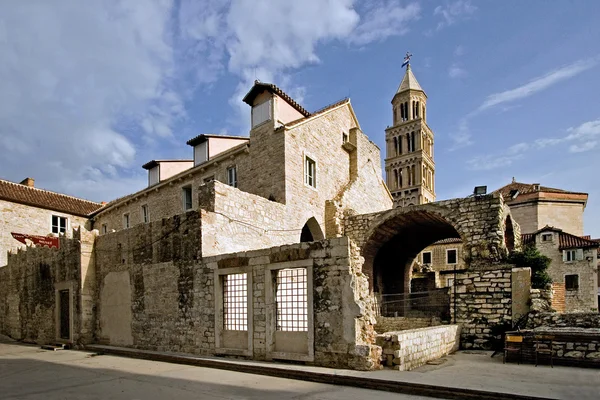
(416, 389)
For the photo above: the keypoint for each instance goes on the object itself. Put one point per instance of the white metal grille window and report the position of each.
(145, 214)
(291, 300)
(186, 195)
(232, 176)
(126, 221)
(261, 113)
(235, 302)
(59, 224)
(310, 172)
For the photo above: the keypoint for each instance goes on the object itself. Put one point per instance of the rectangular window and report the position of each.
(235, 302)
(232, 176)
(571, 282)
(547, 237)
(186, 196)
(291, 300)
(344, 137)
(451, 256)
(569, 255)
(145, 214)
(310, 172)
(126, 221)
(261, 113)
(104, 229)
(59, 224)
(426, 257)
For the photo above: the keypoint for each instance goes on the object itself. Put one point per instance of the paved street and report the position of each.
(27, 372)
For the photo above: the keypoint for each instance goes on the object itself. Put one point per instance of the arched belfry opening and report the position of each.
(509, 234)
(311, 231)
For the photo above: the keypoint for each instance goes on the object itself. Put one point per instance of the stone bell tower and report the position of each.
(409, 165)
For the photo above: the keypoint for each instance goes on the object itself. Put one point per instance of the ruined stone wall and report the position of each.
(392, 324)
(413, 348)
(483, 300)
(165, 200)
(30, 220)
(156, 293)
(233, 221)
(29, 284)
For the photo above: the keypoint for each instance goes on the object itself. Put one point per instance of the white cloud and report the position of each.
(384, 19)
(88, 90)
(459, 50)
(454, 12)
(537, 84)
(584, 136)
(455, 71)
(75, 78)
(580, 148)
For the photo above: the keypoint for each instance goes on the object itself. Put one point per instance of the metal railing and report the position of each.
(432, 303)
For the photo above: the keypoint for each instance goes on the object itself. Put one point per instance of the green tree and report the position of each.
(530, 257)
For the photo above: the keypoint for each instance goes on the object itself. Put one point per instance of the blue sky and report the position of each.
(90, 92)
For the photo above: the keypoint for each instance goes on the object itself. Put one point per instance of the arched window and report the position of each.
(406, 110)
(395, 116)
(409, 175)
(412, 141)
(311, 231)
(396, 144)
(396, 178)
(400, 184)
(509, 235)
(417, 110)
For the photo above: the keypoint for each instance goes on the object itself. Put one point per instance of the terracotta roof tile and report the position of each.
(449, 241)
(46, 199)
(260, 86)
(525, 188)
(565, 240)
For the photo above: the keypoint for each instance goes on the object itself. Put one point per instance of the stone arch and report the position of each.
(397, 237)
(311, 231)
(509, 234)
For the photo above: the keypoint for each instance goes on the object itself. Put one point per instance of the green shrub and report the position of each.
(530, 257)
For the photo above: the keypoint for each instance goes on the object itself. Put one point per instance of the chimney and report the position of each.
(29, 182)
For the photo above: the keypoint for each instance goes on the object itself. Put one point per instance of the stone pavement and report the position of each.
(27, 372)
(463, 375)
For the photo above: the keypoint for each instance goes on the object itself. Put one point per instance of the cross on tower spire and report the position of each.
(407, 60)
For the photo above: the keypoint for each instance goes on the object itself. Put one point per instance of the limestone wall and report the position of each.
(29, 286)
(566, 216)
(585, 297)
(156, 293)
(233, 220)
(483, 300)
(30, 220)
(393, 324)
(413, 348)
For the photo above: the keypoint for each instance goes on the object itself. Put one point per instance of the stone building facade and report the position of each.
(574, 265)
(28, 210)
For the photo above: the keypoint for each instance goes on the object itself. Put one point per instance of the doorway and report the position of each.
(64, 314)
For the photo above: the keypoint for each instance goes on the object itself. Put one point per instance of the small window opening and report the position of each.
(572, 282)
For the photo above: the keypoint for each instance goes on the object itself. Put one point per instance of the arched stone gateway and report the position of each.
(390, 240)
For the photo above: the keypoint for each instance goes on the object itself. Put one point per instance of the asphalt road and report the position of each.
(28, 372)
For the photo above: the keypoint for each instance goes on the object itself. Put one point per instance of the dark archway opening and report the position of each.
(509, 235)
(311, 231)
(402, 277)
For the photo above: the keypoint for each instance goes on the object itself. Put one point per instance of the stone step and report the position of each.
(55, 346)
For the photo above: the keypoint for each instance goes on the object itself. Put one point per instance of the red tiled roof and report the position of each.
(259, 87)
(46, 199)
(565, 240)
(525, 188)
(568, 241)
(449, 241)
